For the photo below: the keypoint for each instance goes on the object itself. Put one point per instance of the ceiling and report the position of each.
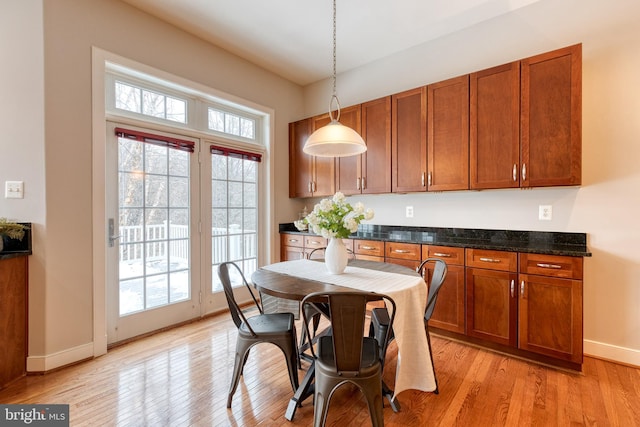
(293, 38)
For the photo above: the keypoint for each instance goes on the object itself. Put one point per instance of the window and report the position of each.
(232, 124)
(149, 103)
(234, 210)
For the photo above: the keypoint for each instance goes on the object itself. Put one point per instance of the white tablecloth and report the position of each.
(414, 370)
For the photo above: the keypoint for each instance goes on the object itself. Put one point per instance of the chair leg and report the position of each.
(372, 389)
(242, 352)
(435, 378)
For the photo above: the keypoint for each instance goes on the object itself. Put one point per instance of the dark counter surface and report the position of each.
(539, 242)
(14, 248)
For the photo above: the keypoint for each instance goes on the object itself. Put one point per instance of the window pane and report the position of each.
(219, 194)
(249, 196)
(247, 128)
(235, 194)
(156, 160)
(178, 163)
(128, 97)
(232, 124)
(179, 196)
(219, 167)
(131, 296)
(176, 110)
(153, 104)
(216, 120)
(235, 169)
(250, 169)
(156, 191)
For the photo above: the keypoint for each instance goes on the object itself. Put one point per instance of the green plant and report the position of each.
(337, 218)
(12, 229)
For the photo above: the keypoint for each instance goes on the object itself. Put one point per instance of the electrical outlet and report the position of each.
(409, 211)
(545, 212)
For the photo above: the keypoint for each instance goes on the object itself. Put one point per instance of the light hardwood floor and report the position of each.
(181, 377)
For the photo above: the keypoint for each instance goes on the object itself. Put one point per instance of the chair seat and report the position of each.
(370, 360)
(265, 324)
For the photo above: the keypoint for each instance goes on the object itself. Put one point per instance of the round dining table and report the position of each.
(293, 280)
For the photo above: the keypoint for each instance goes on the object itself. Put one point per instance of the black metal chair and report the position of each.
(347, 355)
(275, 328)
(379, 326)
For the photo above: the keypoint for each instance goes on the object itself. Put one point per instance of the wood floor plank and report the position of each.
(181, 377)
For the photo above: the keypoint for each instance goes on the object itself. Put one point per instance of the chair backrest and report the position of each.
(437, 279)
(347, 315)
(224, 274)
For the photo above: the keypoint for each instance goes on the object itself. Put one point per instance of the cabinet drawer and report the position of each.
(551, 265)
(409, 251)
(492, 260)
(368, 247)
(312, 242)
(452, 256)
(296, 240)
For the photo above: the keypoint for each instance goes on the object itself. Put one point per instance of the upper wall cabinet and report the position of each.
(370, 172)
(309, 176)
(515, 125)
(448, 134)
(494, 130)
(409, 141)
(551, 118)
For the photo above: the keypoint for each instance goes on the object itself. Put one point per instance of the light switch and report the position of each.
(14, 190)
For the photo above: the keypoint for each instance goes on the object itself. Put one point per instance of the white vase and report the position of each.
(336, 256)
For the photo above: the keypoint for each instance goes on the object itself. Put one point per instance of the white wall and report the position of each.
(46, 118)
(606, 206)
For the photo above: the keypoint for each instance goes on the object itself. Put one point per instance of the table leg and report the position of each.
(304, 390)
(388, 393)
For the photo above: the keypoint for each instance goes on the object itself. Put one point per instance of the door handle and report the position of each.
(112, 230)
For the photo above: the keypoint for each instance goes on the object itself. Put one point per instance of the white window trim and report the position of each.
(266, 196)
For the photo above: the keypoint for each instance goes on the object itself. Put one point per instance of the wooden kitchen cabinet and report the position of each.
(13, 319)
(370, 172)
(369, 250)
(492, 303)
(494, 135)
(449, 313)
(409, 141)
(551, 118)
(448, 135)
(291, 246)
(407, 254)
(309, 176)
(550, 306)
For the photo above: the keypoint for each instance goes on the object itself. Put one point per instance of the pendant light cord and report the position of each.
(335, 92)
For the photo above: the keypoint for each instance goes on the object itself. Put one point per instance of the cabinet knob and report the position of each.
(489, 260)
(524, 172)
(423, 178)
(429, 179)
(401, 251)
(367, 248)
(522, 289)
(364, 183)
(515, 172)
(512, 288)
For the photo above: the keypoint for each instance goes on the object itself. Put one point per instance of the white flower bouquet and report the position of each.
(335, 217)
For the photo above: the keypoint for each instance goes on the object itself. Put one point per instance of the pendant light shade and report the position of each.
(334, 139)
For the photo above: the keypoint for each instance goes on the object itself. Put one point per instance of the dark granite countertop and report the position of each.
(13, 248)
(539, 242)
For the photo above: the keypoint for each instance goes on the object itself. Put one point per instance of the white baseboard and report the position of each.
(62, 358)
(614, 353)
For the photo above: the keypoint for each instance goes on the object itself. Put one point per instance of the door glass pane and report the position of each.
(234, 214)
(154, 195)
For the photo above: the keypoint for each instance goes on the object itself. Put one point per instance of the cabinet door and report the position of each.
(448, 134)
(449, 311)
(492, 305)
(324, 180)
(409, 141)
(550, 316)
(376, 161)
(494, 108)
(349, 169)
(551, 118)
(13, 318)
(300, 164)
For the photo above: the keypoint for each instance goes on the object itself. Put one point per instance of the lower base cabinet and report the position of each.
(526, 304)
(13, 319)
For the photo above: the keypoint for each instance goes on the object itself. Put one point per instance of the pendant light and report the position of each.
(334, 139)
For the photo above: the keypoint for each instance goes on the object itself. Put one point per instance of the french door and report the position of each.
(176, 208)
(153, 214)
